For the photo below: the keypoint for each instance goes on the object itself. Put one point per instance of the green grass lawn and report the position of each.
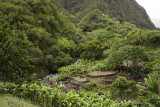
(7, 100)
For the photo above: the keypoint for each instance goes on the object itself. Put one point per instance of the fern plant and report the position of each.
(151, 84)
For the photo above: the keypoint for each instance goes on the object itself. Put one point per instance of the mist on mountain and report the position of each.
(156, 22)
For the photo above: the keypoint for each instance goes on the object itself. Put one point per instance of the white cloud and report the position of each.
(152, 7)
(156, 22)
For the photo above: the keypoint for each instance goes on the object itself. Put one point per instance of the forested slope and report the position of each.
(128, 10)
(34, 36)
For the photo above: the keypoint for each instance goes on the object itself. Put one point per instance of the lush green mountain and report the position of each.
(38, 37)
(128, 10)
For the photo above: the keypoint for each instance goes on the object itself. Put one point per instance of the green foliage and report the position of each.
(86, 28)
(102, 65)
(151, 87)
(62, 53)
(142, 37)
(154, 100)
(151, 83)
(30, 14)
(8, 100)
(14, 57)
(90, 84)
(91, 49)
(76, 69)
(100, 90)
(136, 37)
(39, 33)
(153, 65)
(48, 97)
(124, 89)
(37, 56)
(154, 37)
(156, 68)
(129, 53)
(123, 11)
(43, 25)
(63, 45)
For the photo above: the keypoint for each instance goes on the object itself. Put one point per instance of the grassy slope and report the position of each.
(10, 101)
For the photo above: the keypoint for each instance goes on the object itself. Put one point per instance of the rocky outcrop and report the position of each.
(107, 3)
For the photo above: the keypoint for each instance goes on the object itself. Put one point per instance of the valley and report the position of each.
(78, 53)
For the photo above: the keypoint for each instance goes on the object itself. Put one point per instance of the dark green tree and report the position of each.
(91, 49)
(14, 58)
(62, 53)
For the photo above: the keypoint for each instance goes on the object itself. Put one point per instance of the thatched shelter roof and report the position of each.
(130, 64)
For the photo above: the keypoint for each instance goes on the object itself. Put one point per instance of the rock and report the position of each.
(39, 79)
(80, 79)
(69, 87)
(50, 76)
(51, 83)
(102, 74)
(122, 14)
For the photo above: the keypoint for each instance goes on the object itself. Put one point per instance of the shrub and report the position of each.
(124, 89)
(49, 97)
(91, 49)
(151, 84)
(128, 53)
(76, 69)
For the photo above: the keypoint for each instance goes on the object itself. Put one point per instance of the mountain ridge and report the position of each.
(128, 10)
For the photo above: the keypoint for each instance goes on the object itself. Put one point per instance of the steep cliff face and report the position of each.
(128, 10)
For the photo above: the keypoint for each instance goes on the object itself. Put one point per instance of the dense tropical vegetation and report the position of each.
(39, 37)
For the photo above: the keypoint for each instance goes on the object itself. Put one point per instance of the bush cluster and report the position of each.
(53, 97)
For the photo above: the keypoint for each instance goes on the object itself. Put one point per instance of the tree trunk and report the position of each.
(159, 89)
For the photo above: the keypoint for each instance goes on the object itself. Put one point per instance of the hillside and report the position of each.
(34, 29)
(78, 53)
(128, 10)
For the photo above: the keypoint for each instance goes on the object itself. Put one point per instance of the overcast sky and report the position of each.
(153, 9)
